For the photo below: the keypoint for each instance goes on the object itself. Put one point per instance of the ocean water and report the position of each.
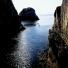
(31, 42)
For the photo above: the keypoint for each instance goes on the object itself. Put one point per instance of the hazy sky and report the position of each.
(41, 6)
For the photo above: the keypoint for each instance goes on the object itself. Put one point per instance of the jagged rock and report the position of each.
(58, 39)
(28, 14)
(58, 12)
(61, 20)
(57, 19)
(9, 19)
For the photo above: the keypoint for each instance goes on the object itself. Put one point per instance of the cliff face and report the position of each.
(7, 12)
(61, 20)
(8, 16)
(57, 19)
(61, 16)
(58, 36)
(64, 20)
(64, 16)
(57, 55)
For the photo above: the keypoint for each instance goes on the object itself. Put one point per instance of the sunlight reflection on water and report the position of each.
(30, 43)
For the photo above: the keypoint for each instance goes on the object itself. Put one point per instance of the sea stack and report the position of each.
(28, 14)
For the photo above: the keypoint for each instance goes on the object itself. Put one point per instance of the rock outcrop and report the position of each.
(57, 19)
(28, 14)
(57, 55)
(61, 20)
(58, 36)
(9, 19)
(64, 16)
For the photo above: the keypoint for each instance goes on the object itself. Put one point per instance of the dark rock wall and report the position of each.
(59, 48)
(9, 27)
(57, 19)
(28, 14)
(9, 18)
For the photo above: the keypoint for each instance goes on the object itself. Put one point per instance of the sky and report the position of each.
(40, 6)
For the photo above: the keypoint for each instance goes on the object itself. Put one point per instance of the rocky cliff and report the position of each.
(61, 20)
(57, 19)
(9, 27)
(64, 16)
(9, 19)
(64, 20)
(58, 36)
(57, 55)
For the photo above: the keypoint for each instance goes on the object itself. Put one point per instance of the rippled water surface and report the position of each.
(30, 43)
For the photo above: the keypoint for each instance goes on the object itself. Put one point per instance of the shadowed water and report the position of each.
(26, 46)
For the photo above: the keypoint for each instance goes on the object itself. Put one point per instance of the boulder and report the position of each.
(28, 14)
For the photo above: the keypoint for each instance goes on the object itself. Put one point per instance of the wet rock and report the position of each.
(28, 14)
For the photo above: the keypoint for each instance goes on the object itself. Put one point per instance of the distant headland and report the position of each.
(28, 14)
